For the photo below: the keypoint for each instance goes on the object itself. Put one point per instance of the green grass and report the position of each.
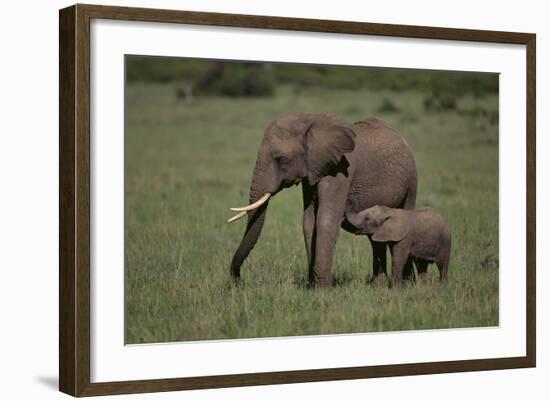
(187, 163)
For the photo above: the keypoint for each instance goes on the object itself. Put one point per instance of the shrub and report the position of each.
(388, 106)
(236, 80)
(440, 102)
(480, 113)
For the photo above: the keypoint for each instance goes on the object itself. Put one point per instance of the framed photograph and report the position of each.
(397, 164)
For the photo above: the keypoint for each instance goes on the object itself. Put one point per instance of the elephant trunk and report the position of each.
(252, 233)
(353, 218)
(357, 220)
(263, 183)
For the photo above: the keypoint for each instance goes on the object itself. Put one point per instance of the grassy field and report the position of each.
(187, 163)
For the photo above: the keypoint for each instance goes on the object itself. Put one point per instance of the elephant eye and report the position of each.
(281, 159)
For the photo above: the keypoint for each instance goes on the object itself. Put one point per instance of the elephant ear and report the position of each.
(325, 146)
(394, 228)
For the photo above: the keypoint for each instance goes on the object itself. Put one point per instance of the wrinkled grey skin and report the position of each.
(339, 165)
(420, 234)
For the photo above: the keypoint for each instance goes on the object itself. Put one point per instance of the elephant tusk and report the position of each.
(237, 217)
(254, 205)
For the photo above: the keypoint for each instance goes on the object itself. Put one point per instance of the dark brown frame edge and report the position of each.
(74, 199)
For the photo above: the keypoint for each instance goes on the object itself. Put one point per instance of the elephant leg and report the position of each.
(443, 270)
(443, 266)
(399, 256)
(379, 274)
(408, 271)
(422, 267)
(332, 196)
(309, 226)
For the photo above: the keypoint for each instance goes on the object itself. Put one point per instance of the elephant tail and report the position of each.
(409, 202)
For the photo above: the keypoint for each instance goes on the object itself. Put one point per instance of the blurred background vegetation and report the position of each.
(198, 77)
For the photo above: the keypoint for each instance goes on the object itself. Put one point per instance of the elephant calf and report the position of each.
(420, 234)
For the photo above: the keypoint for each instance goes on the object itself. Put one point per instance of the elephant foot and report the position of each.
(380, 280)
(403, 283)
(235, 282)
(423, 278)
(409, 277)
(400, 283)
(320, 283)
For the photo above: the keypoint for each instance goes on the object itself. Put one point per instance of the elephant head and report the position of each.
(294, 148)
(383, 223)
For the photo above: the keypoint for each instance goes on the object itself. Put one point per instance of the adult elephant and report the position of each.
(341, 167)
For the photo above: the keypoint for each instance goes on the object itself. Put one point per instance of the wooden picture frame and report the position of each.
(74, 203)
